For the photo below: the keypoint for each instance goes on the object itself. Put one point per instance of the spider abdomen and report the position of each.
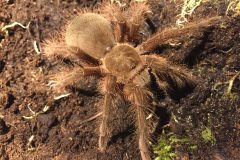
(90, 33)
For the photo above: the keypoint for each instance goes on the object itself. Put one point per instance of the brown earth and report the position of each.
(212, 55)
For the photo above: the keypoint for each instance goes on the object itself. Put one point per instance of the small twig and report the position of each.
(230, 84)
(29, 144)
(36, 38)
(61, 96)
(35, 114)
(92, 118)
(229, 89)
(5, 28)
(36, 47)
(31, 109)
(215, 87)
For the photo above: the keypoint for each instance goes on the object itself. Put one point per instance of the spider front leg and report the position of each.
(126, 17)
(141, 100)
(137, 14)
(114, 12)
(167, 34)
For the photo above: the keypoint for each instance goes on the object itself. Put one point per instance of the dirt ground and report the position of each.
(212, 55)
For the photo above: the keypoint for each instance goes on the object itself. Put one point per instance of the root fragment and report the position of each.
(29, 144)
(36, 47)
(92, 118)
(187, 10)
(230, 84)
(62, 96)
(5, 28)
(35, 114)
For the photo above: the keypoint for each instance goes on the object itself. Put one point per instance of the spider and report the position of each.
(107, 42)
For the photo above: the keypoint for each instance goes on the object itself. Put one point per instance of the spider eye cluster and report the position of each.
(121, 60)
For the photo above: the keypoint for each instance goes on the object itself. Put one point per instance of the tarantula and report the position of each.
(107, 41)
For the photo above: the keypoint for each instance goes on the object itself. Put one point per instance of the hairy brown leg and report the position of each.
(162, 37)
(55, 48)
(127, 18)
(121, 28)
(109, 88)
(115, 14)
(136, 17)
(83, 57)
(151, 25)
(133, 31)
(67, 77)
(140, 99)
(58, 48)
(121, 31)
(168, 75)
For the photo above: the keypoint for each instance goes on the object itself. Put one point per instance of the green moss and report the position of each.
(165, 149)
(208, 136)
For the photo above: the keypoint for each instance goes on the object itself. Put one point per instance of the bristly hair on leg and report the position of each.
(112, 111)
(141, 100)
(137, 11)
(87, 10)
(126, 19)
(55, 46)
(136, 16)
(64, 78)
(176, 76)
(171, 33)
(117, 15)
(111, 12)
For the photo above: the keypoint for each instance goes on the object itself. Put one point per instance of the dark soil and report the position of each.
(211, 54)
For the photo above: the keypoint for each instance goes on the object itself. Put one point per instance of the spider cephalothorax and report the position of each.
(109, 47)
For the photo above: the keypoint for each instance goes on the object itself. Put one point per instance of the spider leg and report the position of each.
(121, 31)
(151, 25)
(83, 57)
(126, 18)
(57, 47)
(169, 76)
(162, 37)
(115, 14)
(112, 100)
(140, 99)
(68, 77)
(136, 17)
